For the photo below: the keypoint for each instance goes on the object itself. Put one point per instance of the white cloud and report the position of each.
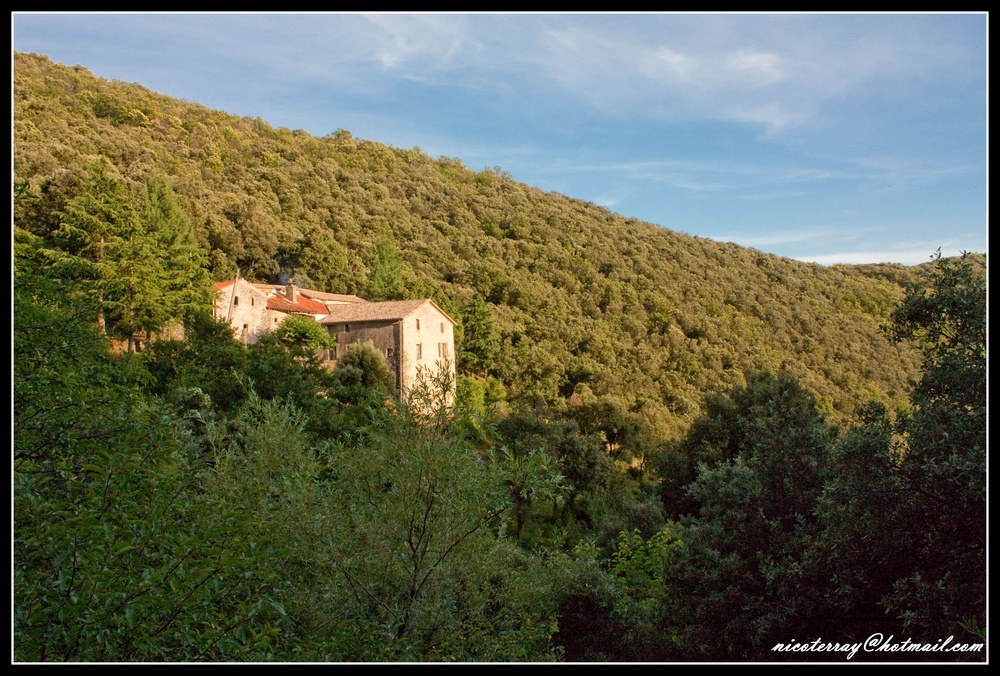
(783, 72)
(606, 201)
(761, 67)
(788, 236)
(774, 117)
(418, 42)
(757, 181)
(672, 62)
(902, 256)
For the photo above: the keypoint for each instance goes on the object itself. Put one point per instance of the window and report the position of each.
(251, 301)
(236, 301)
(418, 325)
(347, 327)
(420, 348)
(442, 327)
(390, 352)
(442, 349)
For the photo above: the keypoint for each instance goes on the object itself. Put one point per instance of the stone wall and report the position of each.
(246, 309)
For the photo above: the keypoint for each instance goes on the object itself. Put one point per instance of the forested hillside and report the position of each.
(664, 447)
(583, 300)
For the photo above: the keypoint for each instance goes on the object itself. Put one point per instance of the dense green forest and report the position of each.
(665, 448)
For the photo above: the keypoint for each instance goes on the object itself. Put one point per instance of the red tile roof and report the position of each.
(302, 305)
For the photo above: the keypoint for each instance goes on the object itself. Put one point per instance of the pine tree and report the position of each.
(185, 280)
(132, 252)
(88, 236)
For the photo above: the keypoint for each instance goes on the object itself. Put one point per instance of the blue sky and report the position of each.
(835, 138)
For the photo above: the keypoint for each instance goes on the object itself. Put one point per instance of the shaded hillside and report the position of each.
(590, 307)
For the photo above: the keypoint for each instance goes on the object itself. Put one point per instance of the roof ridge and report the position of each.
(386, 310)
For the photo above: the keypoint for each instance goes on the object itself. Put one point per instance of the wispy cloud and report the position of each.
(787, 236)
(904, 256)
(781, 72)
(719, 175)
(760, 68)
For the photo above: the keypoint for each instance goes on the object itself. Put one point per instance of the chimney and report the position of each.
(291, 293)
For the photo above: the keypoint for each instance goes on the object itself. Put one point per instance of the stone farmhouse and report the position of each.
(414, 336)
